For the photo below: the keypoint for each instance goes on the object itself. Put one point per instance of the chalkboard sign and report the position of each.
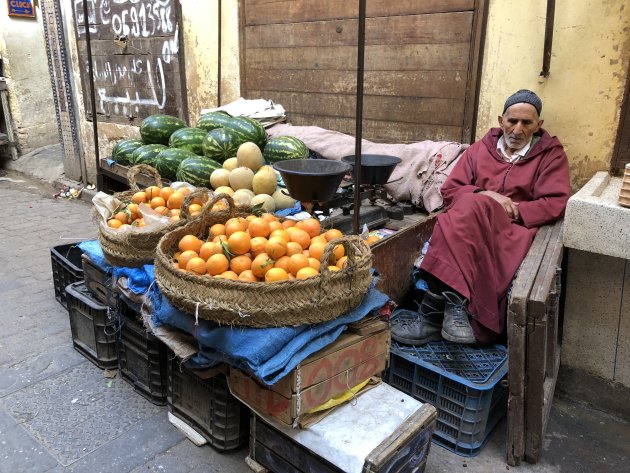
(136, 47)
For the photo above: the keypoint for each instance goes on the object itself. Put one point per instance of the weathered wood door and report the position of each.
(136, 49)
(422, 62)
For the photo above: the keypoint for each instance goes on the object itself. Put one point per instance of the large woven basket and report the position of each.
(258, 304)
(133, 248)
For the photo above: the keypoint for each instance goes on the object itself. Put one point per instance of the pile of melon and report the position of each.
(250, 182)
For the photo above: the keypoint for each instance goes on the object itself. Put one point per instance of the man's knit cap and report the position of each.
(524, 96)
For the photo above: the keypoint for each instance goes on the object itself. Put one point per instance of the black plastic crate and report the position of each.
(207, 406)
(464, 385)
(94, 327)
(99, 282)
(142, 357)
(66, 269)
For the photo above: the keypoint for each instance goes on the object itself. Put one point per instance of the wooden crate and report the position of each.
(533, 343)
(383, 430)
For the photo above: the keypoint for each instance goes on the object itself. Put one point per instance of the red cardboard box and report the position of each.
(348, 361)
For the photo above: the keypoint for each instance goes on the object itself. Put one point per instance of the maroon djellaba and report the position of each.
(495, 200)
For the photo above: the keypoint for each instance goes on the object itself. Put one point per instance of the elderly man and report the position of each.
(505, 186)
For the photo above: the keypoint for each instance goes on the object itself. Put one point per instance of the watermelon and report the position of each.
(168, 160)
(146, 154)
(280, 148)
(159, 128)
(189, 139)
(210, 121)
(123, 149)
(221, 144)
(196, 170)
(248, 129)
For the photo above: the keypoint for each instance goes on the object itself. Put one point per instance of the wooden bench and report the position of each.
(533, 344)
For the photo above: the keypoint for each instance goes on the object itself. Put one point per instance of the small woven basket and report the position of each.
(134, 248)
(259, 304)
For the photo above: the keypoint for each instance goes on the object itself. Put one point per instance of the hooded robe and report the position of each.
(476, 248)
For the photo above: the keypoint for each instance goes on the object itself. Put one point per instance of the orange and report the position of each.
(152, 191)
(275, 225)
(208, 249)
(288, 223)
(319, 239)
(122, 216)
(192, 208)
(161, 210)
(227, 275)
(113, 223)
(221, 205)
(219, 238)
(338, 251)
(282, 262)
(166, 192)
(190, 242)
(306, 253)
(134, 210)
(239, 242)
(234, 225)
(276, 247)
(334, 269)
(184, 190)
(251, 217)
(173, 212)
(217, 264)
(217, 229)
(175, 201)
(139, 197)
(314, 263)
(241, 263)
(316, 250)
(293, 248)
(332, 234)
(261, 264)
(311, 226)
(372, 239)
(196, 265)
(269, 217)
(258, 245)
(300, 236)
(139, 222)
(342, 262)
(173, 218)
(185, 257)
(157, 202)
(281, 233)
(297, 262)
(247, 275)
(259, 227)
(276, 274)
(306, 273)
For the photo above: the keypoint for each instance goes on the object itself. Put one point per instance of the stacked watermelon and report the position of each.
(190, 154)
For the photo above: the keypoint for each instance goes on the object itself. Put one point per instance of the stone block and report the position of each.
(622, 364)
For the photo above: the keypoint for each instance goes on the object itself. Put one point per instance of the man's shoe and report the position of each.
(456, 327)
(432, 307)
(412, 328)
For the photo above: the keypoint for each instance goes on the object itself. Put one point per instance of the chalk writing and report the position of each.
(135, 47)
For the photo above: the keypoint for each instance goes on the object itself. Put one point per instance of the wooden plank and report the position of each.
(406, 244)
(436, 84)
(121, 171)
(410, 29)
(290, 11)
(425, 57)
(380, 131)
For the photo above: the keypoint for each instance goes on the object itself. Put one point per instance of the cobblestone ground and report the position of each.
(58, 413)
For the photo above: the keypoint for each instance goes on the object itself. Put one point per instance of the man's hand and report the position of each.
(508, 204)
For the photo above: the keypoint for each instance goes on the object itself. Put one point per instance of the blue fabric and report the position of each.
(296, 209)
(93, 250)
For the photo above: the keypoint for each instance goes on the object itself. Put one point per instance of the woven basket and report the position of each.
(258, 304)
(133, 248)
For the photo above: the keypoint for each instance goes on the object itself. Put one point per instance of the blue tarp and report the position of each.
(270, 353)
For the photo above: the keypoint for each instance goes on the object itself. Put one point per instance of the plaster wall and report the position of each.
(200, 30)
(583, 94)
(23, 51)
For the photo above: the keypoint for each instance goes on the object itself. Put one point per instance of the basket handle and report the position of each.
(352, 245)
(198, 192)
(145, 169)
(206, 212)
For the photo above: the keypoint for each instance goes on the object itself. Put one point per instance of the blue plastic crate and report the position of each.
(464, 385)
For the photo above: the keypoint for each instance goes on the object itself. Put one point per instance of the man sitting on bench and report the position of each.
(505, 186)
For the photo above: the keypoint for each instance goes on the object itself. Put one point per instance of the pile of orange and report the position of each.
(261, 248)
(163, 200)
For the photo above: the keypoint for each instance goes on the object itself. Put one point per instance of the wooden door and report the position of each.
(422, 62)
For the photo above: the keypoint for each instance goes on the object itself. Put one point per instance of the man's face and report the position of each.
(519, 123)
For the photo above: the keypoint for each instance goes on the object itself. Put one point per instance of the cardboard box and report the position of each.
(348, 361)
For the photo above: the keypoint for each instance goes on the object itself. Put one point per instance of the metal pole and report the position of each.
(551, 11)
(219, 58)
(356, 217)
(86, 24)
